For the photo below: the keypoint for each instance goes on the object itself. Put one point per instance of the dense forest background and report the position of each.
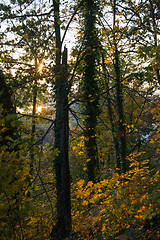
(80, 119)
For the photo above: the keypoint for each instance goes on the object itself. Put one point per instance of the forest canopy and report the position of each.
(79, 119)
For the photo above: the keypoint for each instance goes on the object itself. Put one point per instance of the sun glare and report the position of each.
(39, 109)
(40, 67)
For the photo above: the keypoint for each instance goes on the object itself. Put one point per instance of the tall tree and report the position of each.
(34, 104)
(90, 88)
(119, 98)
(111, 114)
(63, 227)
(154, 13)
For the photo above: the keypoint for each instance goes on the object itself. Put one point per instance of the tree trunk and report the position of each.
(155, 37)
(7, 109)
(63, 226)
(90, 89)
(119, 99)
(111, 118)
(34, 102)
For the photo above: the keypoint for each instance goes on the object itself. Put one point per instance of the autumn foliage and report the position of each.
(119, 204)
(79, 120)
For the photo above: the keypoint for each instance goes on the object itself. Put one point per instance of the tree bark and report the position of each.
(111, 118)
(63, 226)
(155, 37)
(34, 103)
(7, 109)
(90, 90)
(119, 99)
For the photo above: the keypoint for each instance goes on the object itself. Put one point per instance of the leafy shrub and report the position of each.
(121, 203)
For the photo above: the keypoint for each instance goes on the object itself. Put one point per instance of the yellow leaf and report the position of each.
(152, 141)
(80, 182)
(108, 61)
(85, 203)
(80, 153)
(74, 148)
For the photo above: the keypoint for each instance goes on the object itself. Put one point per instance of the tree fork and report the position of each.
(63, 227)
(61, 163)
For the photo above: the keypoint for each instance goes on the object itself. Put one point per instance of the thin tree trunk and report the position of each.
(34, 103)
(111, 118)
(119, 100)
(155, 37)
